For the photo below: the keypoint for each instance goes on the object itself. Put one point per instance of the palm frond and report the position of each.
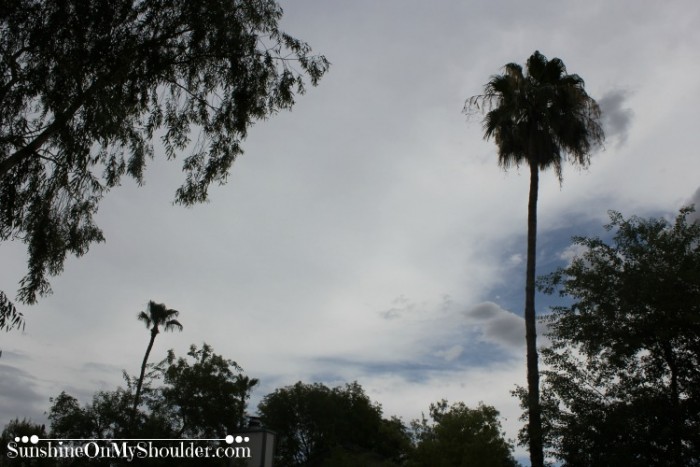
(541, 116)
(158, 315)
(172, 324)
(143, 316)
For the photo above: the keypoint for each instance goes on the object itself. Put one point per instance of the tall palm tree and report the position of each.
(538, 118)
(157, 317)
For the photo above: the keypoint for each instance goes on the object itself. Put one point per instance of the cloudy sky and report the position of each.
(369, 234)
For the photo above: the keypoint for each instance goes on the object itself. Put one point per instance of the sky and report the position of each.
(369, 234)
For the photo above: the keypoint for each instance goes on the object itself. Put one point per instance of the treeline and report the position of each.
(204, 397)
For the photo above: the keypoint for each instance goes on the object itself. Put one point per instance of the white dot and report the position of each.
(238, 439)
(246, 439)
(17, 439)
(25, 439)
(229, 439)
(34, 439)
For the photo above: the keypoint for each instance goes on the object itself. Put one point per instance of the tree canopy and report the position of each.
(208, 395)
(320, 426)
(623, 384)
(87, 87)
(457, 436)
(202, 396)
(14, 429)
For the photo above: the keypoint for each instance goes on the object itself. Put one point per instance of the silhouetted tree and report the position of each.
(107, 417)
(537, 118)
(458, 436)
(320, 426)
(86, 86)
(623, 379)
(17, 428)
(207, 397)
(156, 317)
(201, 396)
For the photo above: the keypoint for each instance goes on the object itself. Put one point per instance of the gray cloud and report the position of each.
(399, 307)
(19, 396)
(14, 356)
(501, 327)
(497, 325)
(101, 368)
(616, 117)
(337, 369)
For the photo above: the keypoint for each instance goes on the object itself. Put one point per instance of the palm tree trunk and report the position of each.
(139, 385)
(533, 377)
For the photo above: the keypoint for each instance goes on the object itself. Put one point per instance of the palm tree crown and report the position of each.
(159, 316)
(536, 116)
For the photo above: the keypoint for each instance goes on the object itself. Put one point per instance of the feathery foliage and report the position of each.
(88, 87)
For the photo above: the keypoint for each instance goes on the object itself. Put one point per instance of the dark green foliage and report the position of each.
(106, 417)
(458, 436)
(86, 86)
(538, 118)
(624, 379)
(208, 396)
(203, 396)
(68, 419)
(10, 318)
(17, 428)
(319, 426)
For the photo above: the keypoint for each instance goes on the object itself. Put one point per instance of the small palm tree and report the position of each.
(537, 118)
(157, 317)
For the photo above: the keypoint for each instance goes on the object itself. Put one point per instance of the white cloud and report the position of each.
(451, 353)
(571, 252)
(515, 259)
